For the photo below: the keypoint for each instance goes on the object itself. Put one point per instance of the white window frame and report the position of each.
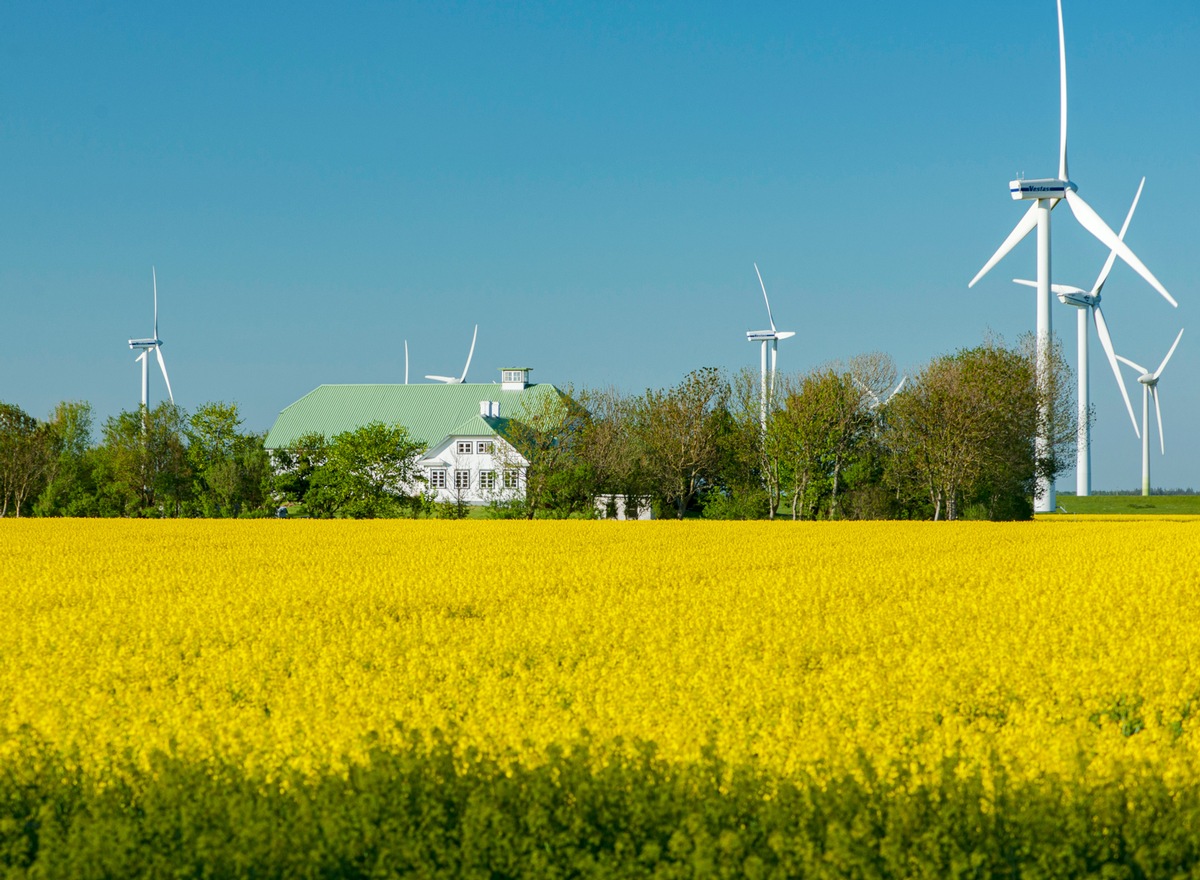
(464, 447)
(487, 480)
(437, 478)
(512, 478)
(462, 479)
(485, 447)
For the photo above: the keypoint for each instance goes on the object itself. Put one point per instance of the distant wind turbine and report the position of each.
(153, 344)
(771, 336)
(1045, 194)
(1150, 389)
(450, 380)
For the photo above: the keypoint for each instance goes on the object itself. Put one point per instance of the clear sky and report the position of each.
(589, 182)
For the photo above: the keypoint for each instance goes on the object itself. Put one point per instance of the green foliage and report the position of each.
(231, 470)
(27, 453)
(362, 474)
(430, 811)
(548, 435)
(142, 465)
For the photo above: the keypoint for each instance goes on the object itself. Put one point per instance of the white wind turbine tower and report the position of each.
(1085, 301)
(1150, 389)
(771, 336)
(450, 380)
(153, 344)
(1045, 194)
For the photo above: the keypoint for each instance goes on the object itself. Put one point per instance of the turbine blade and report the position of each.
(470, 354)
(896, 390)
(449, 380)
(765, 299)
(1137, 367)
(1056, 288)
(154, 275)
(1112, 255)
(1106, 344)
(1162, 446)
(1091, 221)
(1062, 85)
(1161, 366)
(865, 390)
(1023, 228)
(163, 366)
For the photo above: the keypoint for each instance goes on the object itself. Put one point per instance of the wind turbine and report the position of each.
(876, 402)
(450, 380)
(153, 344)
(764, 336)
(1085, 301)
(1045, 194)
(1150, 389)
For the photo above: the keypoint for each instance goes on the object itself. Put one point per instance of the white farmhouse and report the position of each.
(462, 426)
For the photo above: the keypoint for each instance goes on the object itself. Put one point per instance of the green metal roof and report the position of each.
(429, 412)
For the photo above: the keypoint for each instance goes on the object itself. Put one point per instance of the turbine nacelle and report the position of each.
(768, 335)
(1078, 298)
(1045, 188)
(144, 343)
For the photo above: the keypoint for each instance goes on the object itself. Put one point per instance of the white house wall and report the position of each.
(446, 456)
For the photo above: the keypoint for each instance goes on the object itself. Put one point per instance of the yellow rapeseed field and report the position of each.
(1057, 648)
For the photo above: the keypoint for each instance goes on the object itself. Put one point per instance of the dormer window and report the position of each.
(514, 379)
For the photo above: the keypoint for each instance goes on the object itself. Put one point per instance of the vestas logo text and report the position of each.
(1038, 189)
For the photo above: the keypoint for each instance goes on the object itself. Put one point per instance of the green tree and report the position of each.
(293, 467)
(231, 469)
(547, 433)
(964, 434)
(142, 467)
(27, 453)
(71, 488)
(746, 484)
(678, 432)
(610, 448)
(368, 472)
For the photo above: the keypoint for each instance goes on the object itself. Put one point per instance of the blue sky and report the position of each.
(590, 183)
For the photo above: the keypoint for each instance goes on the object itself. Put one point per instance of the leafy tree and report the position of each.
(803, 434)
(230, 469)
(142, 466)
(965, 433)
(368, 472)
(609, 446)
(293, 467)
(547, 433)
(71, 488)
(679, 432)
(26, 456)
(747, 478)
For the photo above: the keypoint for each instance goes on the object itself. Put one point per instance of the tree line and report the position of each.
(957, 441)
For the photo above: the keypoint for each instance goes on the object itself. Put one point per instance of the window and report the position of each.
(464, 447)
(437, 478)
(487, 480)
(510, 376)
(485, 447)
(511, 478)
(462, 479)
